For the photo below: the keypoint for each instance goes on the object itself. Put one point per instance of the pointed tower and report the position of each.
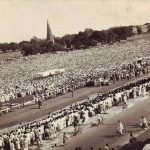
(50, 37)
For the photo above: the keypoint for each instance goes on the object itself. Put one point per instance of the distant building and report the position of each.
(88, 32)
(134, 30)
(50, 36)
(36, 39)
(144, 28)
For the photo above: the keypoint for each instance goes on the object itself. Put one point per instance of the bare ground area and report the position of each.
(31, 113)
(97, 137)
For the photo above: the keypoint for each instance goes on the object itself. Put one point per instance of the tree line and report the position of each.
(81, 40)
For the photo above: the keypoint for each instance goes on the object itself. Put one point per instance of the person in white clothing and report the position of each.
(1, 143)
(100, 119)
(25, 143)
(120, 127)
(17, 141)
(144, 123)
(124, 100)
(106, 147)
(12, 146)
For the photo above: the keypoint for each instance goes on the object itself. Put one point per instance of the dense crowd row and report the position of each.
(97, 65)
(78, 113)
(47, 127)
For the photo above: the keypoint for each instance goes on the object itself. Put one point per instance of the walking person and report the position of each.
(40, 104)
(72, 92)
(124, 101)
(120, 127)
(107, 108)
(65, 139)
(100, 119)
(67, 120)
(144, 123)
(106, 147)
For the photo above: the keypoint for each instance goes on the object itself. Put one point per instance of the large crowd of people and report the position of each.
(95, 66)
(91, 67)
(73, 115)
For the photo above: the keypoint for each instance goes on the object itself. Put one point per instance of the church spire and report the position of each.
(50, 37)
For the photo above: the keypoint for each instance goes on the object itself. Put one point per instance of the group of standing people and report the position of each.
(96, 66)
(78, 113)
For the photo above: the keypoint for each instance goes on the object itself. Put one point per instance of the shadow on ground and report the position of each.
(135, 146)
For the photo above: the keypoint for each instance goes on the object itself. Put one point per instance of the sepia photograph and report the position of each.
(74, 74)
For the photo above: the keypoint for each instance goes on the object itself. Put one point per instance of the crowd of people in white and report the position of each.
(79, 113)
(95, 66)
(91, 67)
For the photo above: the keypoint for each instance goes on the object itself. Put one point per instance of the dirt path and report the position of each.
(31, 113)
(97, 137)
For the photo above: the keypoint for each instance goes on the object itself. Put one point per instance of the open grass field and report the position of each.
(140, 36)
(74, 62)
(11, 55)
(17, 54)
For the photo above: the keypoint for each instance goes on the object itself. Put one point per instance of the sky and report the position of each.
(22, 19)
